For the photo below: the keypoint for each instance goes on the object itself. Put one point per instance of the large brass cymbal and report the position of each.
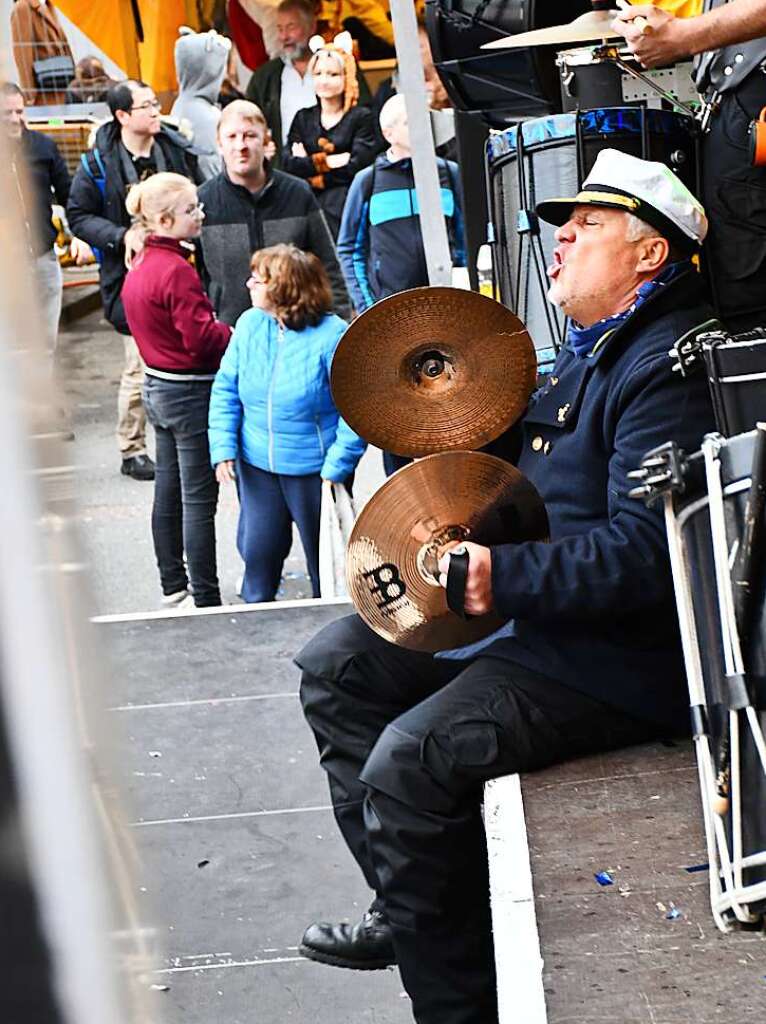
(588, 27)
(416, 515)
(433, 369)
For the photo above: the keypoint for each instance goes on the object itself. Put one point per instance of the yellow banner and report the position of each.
(110, 27)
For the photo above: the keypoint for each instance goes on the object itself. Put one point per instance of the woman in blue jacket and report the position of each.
(272, 415)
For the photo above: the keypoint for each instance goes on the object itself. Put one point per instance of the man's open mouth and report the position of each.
(555, 268)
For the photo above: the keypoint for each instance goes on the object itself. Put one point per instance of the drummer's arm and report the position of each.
(670, 38)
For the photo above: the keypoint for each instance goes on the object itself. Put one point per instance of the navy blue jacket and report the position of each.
(594, 607)
(380, 245)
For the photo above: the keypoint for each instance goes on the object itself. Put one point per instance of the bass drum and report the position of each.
(709, 534)
(504, 86)
(551, 156)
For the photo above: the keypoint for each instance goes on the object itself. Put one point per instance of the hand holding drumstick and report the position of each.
(655, 37)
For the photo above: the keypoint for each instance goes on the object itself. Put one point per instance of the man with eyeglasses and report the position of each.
(132, 146)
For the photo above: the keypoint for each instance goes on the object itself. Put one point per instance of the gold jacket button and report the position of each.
(554, 381)
(537, 443)
(563, 412)
(547, 448)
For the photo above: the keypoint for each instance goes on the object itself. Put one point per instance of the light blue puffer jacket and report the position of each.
(271, 402)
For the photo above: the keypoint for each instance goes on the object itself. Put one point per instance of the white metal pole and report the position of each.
(413, 86)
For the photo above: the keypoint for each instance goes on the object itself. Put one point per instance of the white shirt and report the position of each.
(297, 93)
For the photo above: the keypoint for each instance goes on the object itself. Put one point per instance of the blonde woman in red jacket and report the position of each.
(181, 343)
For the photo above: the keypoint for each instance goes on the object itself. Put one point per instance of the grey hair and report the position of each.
(636, 229)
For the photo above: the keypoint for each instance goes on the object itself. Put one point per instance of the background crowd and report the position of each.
(215, 231)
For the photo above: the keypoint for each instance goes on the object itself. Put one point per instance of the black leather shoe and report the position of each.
(364, 946)
(140, 467)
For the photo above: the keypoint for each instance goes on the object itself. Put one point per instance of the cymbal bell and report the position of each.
(433, 369)
(588, 27)
(417, 515)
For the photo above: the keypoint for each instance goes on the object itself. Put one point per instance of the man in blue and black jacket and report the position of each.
(380, 244)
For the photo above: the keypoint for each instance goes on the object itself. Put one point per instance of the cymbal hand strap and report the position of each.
(457, 578)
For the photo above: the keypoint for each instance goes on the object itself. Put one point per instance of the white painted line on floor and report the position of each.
(234, 963)
(205, 700)
(518, 959)
(226, 609)
(229, 817)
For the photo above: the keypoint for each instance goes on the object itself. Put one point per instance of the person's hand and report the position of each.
(336, 160)
(81, 252)
(478, 587)
(298, 149)
(224, 472)
(661, 39)
(133, 241)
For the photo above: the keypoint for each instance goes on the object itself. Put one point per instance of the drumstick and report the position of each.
(641, 23)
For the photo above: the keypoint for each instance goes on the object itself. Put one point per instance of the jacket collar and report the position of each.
(45, 11)
(254, 197)
(169, 244)
(685, 290)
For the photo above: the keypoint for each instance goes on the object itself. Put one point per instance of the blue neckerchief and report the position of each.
(582, 340)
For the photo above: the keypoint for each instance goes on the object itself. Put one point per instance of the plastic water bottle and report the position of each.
(484, 270)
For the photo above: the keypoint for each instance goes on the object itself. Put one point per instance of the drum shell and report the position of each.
(506, 85)
(693, 520)
(736, 368)
(550, 157)
(588, 86)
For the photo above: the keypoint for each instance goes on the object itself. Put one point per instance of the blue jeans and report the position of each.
(269, 505)
(185, 488)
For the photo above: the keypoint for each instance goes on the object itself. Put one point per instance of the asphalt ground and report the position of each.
(219, 776)
(115, 509)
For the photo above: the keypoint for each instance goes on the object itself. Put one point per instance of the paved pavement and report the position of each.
(115, 510)
(218, 771)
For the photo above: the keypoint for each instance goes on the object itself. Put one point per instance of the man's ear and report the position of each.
(652, 253)
(122, 116)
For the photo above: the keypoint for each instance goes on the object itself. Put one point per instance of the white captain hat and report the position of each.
(645, 188)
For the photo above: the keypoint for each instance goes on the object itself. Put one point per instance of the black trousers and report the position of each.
(734, 197)
(407, 741)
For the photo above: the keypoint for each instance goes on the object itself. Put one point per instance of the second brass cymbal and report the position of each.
(588, 27)
(414, 518)
(433, 369)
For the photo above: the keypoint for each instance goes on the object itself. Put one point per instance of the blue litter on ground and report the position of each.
(697, 867)
(673, 914)
(604, 878)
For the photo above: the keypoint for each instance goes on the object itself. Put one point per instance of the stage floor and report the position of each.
(240, 851)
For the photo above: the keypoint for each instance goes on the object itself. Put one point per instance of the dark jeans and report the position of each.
(393, 462)
(269, 505)
(407, 741)
(734, 197)
(185, 488)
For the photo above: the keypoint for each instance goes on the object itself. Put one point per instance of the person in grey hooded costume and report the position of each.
(201, 66)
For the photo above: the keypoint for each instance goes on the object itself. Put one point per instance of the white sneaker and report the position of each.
(174, 600)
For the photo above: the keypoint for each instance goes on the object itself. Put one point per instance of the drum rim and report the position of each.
(684, 514)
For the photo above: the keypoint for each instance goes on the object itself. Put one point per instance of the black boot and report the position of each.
(364, 946)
